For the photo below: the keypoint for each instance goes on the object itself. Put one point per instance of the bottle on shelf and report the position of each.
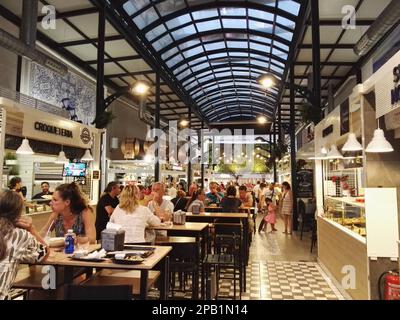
(69, 242)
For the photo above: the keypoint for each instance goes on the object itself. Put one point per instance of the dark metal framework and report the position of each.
(204, 41)
(216, 50)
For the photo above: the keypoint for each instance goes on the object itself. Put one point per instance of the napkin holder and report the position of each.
(179, 217)
(112, 240)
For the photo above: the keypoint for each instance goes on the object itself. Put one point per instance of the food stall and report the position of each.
(358, 190)
(54, 149)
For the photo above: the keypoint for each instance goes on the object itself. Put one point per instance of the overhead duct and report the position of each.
(382, 24)
(26, 45)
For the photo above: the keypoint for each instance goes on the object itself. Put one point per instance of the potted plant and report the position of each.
(10, 159)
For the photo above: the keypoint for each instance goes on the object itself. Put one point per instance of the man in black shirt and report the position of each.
(180, 201)
(106, 205)
(45, 192)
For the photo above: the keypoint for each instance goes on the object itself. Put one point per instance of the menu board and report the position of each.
(305, 183)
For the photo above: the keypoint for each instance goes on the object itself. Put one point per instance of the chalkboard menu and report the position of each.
(344, 117)
(305, 183)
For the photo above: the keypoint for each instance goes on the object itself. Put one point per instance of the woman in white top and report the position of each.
(133, 217)
(197, 199)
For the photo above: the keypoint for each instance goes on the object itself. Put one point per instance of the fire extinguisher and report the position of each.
(391, 285)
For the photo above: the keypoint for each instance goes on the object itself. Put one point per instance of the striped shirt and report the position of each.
(22, 247)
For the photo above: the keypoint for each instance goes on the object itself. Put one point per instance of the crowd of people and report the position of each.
(134, 207)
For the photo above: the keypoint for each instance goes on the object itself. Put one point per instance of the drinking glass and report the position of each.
(82, 242)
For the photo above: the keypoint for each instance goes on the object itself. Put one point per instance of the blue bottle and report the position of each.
(69, 242)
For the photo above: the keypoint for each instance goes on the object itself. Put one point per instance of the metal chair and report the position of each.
(313, 235)
(228, 254)
(184, 260)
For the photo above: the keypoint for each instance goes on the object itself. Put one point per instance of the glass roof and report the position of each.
(217, 49)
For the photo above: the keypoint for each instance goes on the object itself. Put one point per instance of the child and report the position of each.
(271, 215)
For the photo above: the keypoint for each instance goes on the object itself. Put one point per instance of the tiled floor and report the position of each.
(282, 267)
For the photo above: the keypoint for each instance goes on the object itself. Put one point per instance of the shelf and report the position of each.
(346, 169)
(347, 200)
(345, 230)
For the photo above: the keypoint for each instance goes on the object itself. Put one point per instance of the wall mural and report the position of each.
(71, 92)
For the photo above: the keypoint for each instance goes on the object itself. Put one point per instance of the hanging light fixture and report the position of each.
(25, 148)
(87, 156)
(379, 143)
(141, 87)
(267, 80)
(352, 144)
(61, 158)
(334, 153)
(262, 120)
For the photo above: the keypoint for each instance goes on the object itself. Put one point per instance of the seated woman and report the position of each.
(70, 211)
(197, 199)
(19, 241)
(180, 201)
(230, 203)
(133, 217)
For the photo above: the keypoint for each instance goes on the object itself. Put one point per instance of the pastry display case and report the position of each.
(348, 212)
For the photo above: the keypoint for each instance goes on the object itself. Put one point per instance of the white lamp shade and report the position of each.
(334, 153)
(379, 143)
(61, 158)
(352, 144)
(324, 151)
(25, 148)
(87, 156)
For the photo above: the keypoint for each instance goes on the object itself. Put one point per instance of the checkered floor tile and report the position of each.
(278, 280)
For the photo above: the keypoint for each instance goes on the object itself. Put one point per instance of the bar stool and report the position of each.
(228, 254)
(184, 260)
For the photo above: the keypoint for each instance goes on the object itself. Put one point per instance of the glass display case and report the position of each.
(348, 212)
(37, 206)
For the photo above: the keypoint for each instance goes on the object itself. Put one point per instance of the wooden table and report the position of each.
(158, 260)
(211, 216)
(199, 230)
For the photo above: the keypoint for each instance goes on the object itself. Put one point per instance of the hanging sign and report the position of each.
(327, 131)
(344, 117)
(395, 93)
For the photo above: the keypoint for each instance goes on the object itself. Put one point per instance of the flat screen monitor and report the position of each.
(74, 170)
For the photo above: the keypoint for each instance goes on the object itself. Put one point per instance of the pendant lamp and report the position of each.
(379, 143)
(61, 158)
(25, 148)
(334, 153)
(352, 144)
(87, 156)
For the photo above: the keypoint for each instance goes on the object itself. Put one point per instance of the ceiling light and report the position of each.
(334, 153)
(61, 158)
(262, 120)
(25, 148)
(141, 88)
(352, 144)
(87, 156)
(267, 80)
(184, 123)
(379, 143)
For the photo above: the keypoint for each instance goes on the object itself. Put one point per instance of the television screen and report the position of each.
(74, 170)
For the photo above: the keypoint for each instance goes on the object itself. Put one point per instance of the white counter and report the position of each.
(346, 230)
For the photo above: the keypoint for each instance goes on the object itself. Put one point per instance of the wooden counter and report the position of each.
(338, 248)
